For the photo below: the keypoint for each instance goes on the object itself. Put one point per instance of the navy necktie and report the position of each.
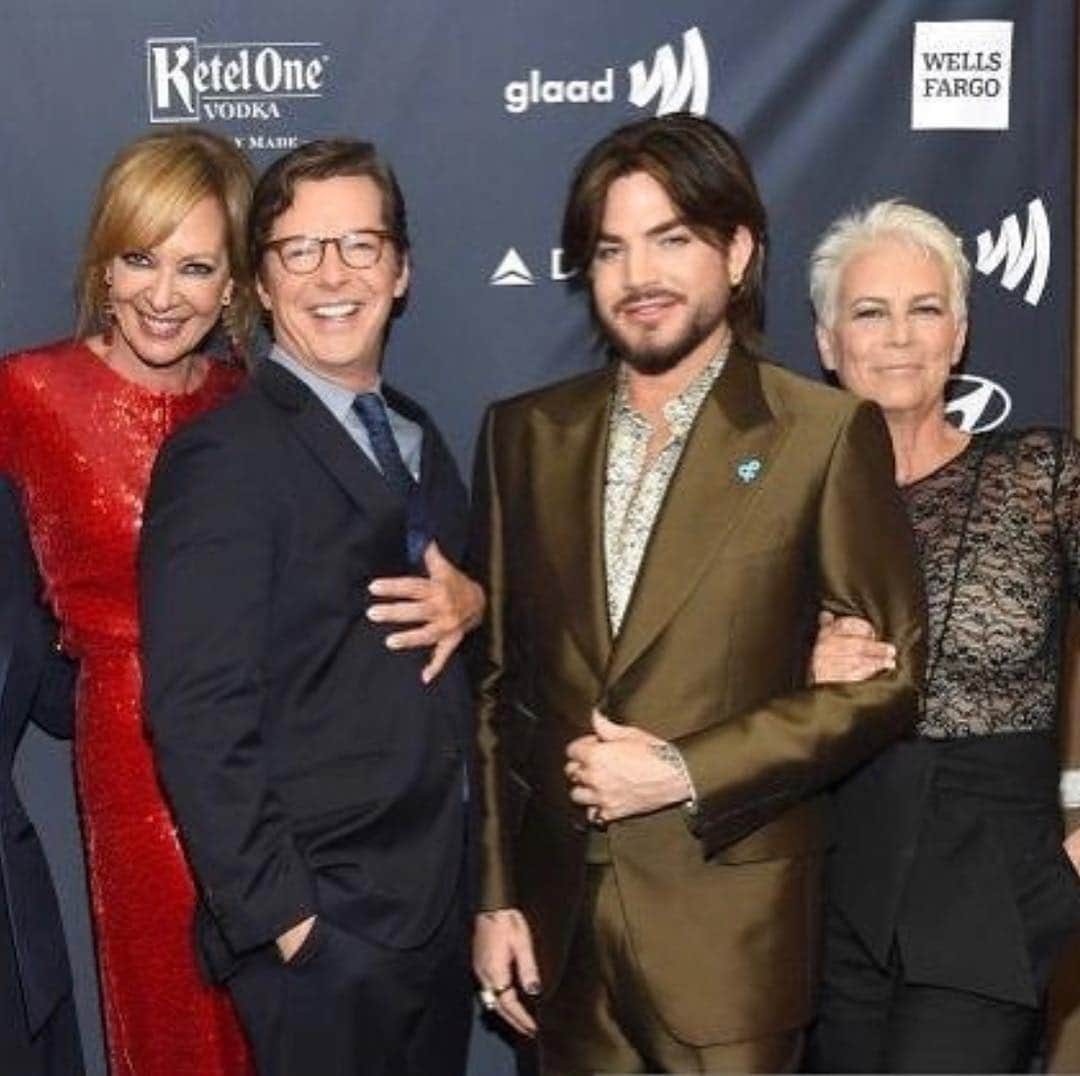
(372, 411)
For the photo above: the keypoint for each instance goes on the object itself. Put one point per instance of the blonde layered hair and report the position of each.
(147, 190)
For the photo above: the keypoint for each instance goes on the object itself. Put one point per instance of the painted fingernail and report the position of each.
(532, 989)
(373, 613)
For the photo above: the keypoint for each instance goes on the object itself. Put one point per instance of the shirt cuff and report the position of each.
(671, 754)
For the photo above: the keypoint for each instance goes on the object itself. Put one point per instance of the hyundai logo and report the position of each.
(976, 403)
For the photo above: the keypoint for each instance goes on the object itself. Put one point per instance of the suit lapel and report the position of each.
(723, 466)
(324, 436)
(570, 452)
(443, 497)
(415, 413)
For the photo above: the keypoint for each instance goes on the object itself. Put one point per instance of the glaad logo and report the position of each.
(1021, 254)
(961, 75)
(187, 82)
(977, 403)
(676, 90)
(673, 87)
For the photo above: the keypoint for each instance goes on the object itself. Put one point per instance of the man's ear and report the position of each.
(740, 250)
(264, 295)
(401, 284)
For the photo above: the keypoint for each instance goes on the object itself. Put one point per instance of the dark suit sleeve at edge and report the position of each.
(54, 698)
(747, 770)
(206, 566)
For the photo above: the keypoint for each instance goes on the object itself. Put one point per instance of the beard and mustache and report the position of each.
(652, 358)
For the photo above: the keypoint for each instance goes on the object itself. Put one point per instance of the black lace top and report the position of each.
(998, 584)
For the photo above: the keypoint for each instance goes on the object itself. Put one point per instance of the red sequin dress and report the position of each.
(79, 440)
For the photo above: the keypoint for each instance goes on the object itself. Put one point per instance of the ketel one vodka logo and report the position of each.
(189, 82)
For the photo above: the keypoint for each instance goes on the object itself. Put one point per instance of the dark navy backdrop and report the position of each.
(965, 106)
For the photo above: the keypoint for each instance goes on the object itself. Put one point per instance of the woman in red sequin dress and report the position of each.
(81, 424)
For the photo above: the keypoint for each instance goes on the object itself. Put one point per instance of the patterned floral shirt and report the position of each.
(634, 488)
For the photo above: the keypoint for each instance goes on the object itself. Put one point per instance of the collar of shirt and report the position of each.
(337, 399)
(681, 410)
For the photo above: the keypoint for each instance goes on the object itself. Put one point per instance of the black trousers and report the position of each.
(55, 1050)
(870, 1019)
(345, 1006)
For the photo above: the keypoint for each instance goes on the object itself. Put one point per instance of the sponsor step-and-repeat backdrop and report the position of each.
(966, 107)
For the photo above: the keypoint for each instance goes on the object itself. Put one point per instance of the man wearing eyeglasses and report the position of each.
(316, 753)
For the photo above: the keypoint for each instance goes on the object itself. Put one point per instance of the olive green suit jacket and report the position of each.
(783, 502)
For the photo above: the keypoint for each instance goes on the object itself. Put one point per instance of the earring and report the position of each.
(236, 352)
(108, 314)
(232, 332)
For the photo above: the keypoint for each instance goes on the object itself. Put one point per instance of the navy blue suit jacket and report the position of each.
(36, 682)
(308, 767)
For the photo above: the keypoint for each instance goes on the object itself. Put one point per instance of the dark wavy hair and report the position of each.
(708, 179)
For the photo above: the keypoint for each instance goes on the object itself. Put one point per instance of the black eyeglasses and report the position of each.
(303, 254)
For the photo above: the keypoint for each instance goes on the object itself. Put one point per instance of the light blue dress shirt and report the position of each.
(338, 400)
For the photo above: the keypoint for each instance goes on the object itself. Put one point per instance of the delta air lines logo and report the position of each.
(188, 81)
(1020, 253)
(664, 84)
(512, 272)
